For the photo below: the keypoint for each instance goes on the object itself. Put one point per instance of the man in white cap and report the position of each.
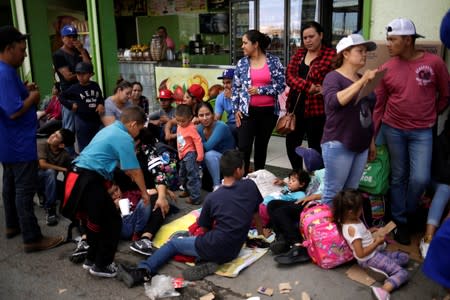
(411, 94)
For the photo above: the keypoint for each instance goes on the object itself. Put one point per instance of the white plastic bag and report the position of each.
(160, 287)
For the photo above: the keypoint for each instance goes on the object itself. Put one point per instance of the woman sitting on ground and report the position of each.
(216, 138)
(137, 98)
(117, 102)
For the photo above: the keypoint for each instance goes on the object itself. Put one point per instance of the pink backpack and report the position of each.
(326, 246)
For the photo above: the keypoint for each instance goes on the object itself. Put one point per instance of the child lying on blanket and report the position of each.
(292, 191)
(285, 216)
(231, 208)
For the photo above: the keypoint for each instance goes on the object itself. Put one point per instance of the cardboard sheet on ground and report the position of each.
(246, 257)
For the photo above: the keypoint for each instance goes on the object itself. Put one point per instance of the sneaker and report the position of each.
(380, 294)
(132, 276)
(401, 234)
(88, 264)
(423, 247)
(376, 274)
(143, 246)
(108, 271)
(51, 217)
(200, 271)
(44, 243)
(80, 252)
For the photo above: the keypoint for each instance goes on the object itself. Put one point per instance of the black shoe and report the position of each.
(297, 254)
(132, 276)
(200, 271)
(279, 246)
(401, 234)
(108, 271)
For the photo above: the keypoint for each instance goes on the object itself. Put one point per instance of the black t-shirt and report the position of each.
(87, 98)
(231, 210)
(63, 59)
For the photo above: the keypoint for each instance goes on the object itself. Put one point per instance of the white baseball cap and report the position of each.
(354, 40)
(402, 26)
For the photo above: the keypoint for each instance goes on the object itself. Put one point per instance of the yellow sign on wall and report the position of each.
(178, 80)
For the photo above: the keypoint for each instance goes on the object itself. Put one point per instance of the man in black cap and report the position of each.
(18, 152)
(64, 61)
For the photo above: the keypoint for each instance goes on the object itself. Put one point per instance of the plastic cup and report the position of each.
(124, 205)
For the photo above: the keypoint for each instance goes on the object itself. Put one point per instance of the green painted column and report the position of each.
(367, 15)
(102, 30)
(39, 45)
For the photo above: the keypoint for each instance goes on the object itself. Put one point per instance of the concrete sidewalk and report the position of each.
(50, 275)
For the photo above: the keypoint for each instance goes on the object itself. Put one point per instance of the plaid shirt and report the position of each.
(318, 68)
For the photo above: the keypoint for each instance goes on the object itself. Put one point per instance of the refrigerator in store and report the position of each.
(281, 20)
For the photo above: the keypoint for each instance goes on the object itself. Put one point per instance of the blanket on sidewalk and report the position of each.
(180, 226)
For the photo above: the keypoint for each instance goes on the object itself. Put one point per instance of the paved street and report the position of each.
(50, 275)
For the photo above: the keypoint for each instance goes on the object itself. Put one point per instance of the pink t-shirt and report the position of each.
(189, 140)
(412, 92)
(261, 77)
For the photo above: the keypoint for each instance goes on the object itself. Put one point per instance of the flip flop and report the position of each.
(295, 255)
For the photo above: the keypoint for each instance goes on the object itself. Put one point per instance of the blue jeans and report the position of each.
(189, 175)
(47, 183)
(343, 169)
(68, 122)
(410, 156)
(184, 245)
(438, 204)
(19, 187)
(137, 221)
(212, 162)
(85, 131)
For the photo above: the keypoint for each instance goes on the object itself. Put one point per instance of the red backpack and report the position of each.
(326, 246)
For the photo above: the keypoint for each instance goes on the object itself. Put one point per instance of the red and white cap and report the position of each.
(165, 94)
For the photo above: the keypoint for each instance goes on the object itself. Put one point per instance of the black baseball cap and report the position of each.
(9, 35)
(84, 67)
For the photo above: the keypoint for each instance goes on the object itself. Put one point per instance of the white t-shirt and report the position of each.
(361, 232)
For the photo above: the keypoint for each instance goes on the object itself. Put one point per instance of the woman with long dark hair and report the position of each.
(304, 76)
(258, 80)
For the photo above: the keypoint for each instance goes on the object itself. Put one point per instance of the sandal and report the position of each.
(297, 254)
(183, 194)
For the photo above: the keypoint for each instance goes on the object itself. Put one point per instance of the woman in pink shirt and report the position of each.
(258, 80)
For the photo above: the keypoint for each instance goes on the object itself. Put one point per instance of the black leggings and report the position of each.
(258, 127)
(312, 127)
(285, 218)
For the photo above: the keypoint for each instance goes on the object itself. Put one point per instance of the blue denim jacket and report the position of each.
(242, 81)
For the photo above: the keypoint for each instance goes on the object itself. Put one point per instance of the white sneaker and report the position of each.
(423, 247)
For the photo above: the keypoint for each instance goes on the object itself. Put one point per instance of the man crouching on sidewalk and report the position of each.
(226, 217)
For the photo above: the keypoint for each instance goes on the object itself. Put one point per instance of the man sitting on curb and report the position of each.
(53, 158)
(226, 217)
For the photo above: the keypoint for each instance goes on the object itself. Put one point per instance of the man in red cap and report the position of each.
(166, 113)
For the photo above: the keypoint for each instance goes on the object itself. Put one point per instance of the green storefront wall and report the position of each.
(103, 43)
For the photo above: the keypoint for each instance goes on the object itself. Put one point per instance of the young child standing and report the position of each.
(190, 152)
(86, 101)
(368, 251)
